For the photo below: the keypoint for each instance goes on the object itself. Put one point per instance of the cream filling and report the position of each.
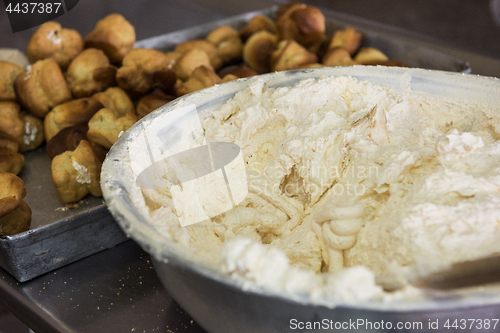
(352, 180)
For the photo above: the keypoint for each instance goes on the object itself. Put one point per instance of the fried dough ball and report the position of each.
(228, 43)
(229, 77)
(257, 23)
(338, 56)
(300, 22)
(8, 73)
(394, 62)
(10, 160)
(15, 214)
(291, 55)
(370, 56)
(114, 35)
(106, 126)
(34, 133)
(116, 99)
(190, 60)
(52, 41)
(89, 73)
(257, 50)
(77, 173)
(173, 56)
(238, 71)
(10, 122)
(315, 65)
(202, 77)
(152, 101)
(42, 87)
(78, 111)
(11, 187)
(17, 221)
(202, 44)
(348, 39)
(26, 129)
(144, 69)
(319, 47)
(66, 139)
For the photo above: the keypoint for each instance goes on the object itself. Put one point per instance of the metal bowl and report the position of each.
(220, 304)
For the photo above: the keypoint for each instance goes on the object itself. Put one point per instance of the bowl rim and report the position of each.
(136, 226)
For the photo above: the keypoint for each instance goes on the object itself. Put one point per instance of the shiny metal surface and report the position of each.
(58, 235)
(114, 291)
(220, 308)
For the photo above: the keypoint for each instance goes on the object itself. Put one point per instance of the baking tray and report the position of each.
(394, 45)
(59, 236)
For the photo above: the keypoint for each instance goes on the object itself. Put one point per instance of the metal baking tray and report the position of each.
(395, 45)
(59, 236)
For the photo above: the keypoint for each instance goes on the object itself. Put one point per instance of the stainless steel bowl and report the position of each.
(220, 304)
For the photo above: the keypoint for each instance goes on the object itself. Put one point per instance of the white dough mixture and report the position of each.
(352, 187)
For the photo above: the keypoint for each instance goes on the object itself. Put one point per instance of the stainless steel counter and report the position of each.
(117, 289)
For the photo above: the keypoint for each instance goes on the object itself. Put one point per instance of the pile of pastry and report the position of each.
(78, 94)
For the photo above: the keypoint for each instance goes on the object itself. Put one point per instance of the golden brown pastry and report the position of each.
(257, 23)
(106, 125)
(34, 133)
(10, 160)
(338, 56)
(16, 221)
(173, 56)
(237, 70)
(8, 143)
(229, 77)
(300, 22)
(348, 39)
(26, 129)
(370, 56)
(394, 62)
(319, 47)
(291, 55)
(315, 65)
(202, 77)
(191, 59)
(15, 214)
(89, 73)
(77, 173)
(114, 35)
(202, 44)
(78, 111)
(10, 122)
(66, 139)
(228, 43)
(52, 41)
(257, 50)
(115, 98)
(144, 69)
(8, 73)
(152, 102)
(281, 10)
(42, 87)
